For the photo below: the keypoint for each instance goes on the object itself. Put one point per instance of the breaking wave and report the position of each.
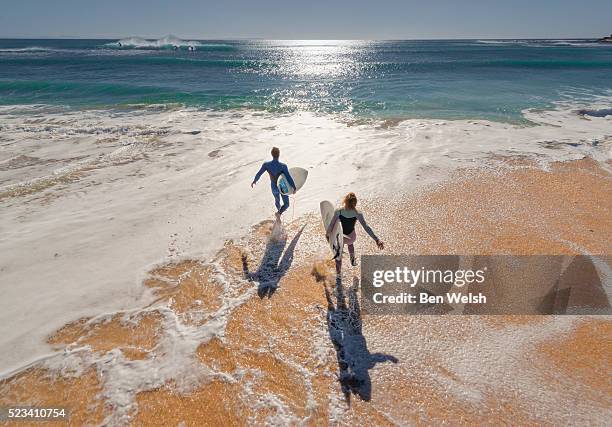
(543, 42)
(168, 42)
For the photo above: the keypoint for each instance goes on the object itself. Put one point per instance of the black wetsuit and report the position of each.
(348, 224)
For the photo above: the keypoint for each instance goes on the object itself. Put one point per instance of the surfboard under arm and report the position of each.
(336, 236)
(298, 175)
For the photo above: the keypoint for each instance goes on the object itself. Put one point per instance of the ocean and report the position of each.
(144, 280)
(444, 79)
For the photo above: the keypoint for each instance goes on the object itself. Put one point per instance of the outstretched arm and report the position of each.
(258, 174)
(369, 230)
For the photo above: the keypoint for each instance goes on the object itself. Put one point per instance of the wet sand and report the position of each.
(263, 334)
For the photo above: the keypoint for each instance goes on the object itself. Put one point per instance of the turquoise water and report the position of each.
(457, 79)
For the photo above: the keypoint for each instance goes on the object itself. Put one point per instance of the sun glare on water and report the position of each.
(319, 73)
(321, 58)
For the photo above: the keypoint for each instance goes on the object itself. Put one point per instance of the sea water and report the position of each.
(117, 155)
(443, 79)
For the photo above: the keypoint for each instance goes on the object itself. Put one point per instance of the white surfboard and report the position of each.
(299, 176)
(336, 238)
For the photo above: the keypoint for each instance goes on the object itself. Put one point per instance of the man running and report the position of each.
(275, 169)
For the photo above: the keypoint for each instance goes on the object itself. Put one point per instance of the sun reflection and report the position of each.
(318, 74)
(320, 58)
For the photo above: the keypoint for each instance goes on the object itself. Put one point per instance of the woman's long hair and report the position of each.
(350, 201)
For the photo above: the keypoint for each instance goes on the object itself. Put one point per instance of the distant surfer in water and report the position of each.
(275, 169)
(348, 215)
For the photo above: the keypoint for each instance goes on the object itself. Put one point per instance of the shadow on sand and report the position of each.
(272, 267)
(354, 358)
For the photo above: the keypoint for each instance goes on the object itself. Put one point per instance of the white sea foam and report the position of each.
(161, 43)
(44, 51)
(543, 42)
(483, 363)
(114, 192)
(27, 49)
(175, 357)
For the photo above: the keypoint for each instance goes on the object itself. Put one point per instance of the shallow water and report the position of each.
(264, 334)
(92, 198)
(461, 79)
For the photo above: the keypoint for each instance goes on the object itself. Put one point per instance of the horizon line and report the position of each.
(300, 39)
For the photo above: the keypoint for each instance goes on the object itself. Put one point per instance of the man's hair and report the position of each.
(275, 152)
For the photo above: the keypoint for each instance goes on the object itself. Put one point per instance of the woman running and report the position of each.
(348, 215)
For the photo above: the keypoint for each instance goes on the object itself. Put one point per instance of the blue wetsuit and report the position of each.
(274, 169)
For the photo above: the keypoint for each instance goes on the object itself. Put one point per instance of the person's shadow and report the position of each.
(272, 267)
(354, 358)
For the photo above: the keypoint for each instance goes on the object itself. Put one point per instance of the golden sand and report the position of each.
(509, 210)
(136, 336)
(41, 388)
(585, 357)
(276, 360)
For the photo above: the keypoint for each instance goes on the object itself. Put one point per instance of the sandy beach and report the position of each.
(93, 200)
(251, 336)
(145, 281)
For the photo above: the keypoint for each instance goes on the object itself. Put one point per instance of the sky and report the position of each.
(310, 19)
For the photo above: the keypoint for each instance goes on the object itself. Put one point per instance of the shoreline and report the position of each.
(291, 329)
(144, 188)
